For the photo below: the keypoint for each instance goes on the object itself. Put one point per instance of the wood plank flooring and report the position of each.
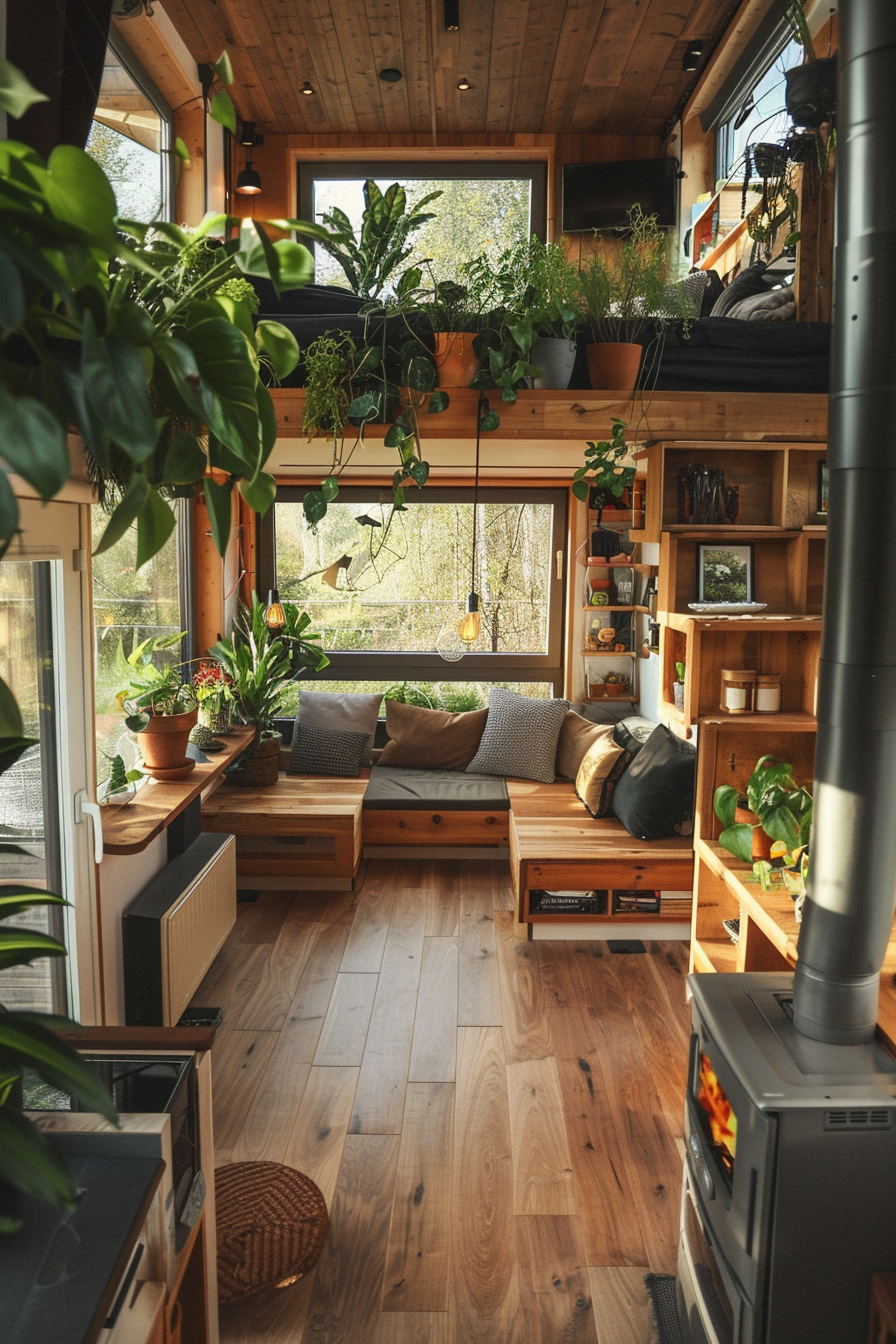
(495, 1124)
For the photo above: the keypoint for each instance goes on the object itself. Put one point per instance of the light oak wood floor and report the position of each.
(495, 1124)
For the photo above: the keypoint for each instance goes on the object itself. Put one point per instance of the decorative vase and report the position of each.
(217, 719)
(613, 365)
(163, 742)
(761, 847)
(678, 694)
(455, 359)
(556, 357)
(260, 765)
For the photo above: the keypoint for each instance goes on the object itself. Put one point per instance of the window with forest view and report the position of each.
(129, 139)
(386, 589)
(487, 213)
(129, 605)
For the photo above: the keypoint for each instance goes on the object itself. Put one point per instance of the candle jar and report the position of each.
(768, 693)
(738, 687)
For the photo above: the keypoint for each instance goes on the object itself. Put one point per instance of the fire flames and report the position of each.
(722, 1120)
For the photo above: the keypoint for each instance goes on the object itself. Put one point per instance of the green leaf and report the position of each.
(420, 472)
(279, 344)
(130, 320)
(314, 507)
(781, 824)
(125, 513)
(116, 392)
(9, 510)
(228, 386)
(17, 94)
(395, 436)
(738, 840)
(222, 111)
(12, 295)
(267, 416)
(491, 420)
(420, 374)
(296, 263)
(78, 192)
(24, 1036)
(185, 460)
(364, 408)
(33, 442)
(217, 502)
(19, 947)
(580, 490)
(259, 493)
(439, 401)
(329, 488)
(32, 1164)
(12, 902)
(10, 715)
(724, 802)
(179, 364)
(155, 523)
(223, 69)
(180, 149)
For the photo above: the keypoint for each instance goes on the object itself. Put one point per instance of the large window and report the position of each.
(762, 117)
(483, 207)
(402, 578)
(130, 138)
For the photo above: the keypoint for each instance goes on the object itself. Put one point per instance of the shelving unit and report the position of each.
(625, 660)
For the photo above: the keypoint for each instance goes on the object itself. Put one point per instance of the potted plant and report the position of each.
(214, 695)
(161, 706)
(552, 301)
(624, 298)
(121, 786)
(603, 477)
(453, 311)
(261, 666)
(811, 88)
(774, 809)
(678, 686)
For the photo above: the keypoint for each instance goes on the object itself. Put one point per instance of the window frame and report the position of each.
(161, 106)
(457, 167)
(392, 666)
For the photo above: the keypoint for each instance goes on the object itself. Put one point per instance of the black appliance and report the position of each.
(789, 1174)
(153, 1084)
(600, 195)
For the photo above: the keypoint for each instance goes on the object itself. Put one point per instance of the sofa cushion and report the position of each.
(520, 737)
(655, 795)
(632, 732)
(431, 739)
(437, 790)
(576, 735)
(598, 773)
(743, 286)
(341, 711)
(326, 751)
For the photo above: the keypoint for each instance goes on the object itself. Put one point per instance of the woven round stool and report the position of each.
(272, 1224)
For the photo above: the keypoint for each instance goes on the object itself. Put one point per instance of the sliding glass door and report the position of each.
(42, 659)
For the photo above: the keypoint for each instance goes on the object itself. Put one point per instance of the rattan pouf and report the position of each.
(272, 1224)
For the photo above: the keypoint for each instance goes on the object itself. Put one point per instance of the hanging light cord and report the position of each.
(480, 411)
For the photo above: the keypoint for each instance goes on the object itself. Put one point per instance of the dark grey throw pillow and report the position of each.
(632, 732)
(655, 796)
(743, 286)
(326, 751)
(520, 737)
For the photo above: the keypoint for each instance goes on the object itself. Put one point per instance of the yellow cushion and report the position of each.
(602, 765)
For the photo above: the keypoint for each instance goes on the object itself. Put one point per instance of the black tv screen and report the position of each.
(599, 195)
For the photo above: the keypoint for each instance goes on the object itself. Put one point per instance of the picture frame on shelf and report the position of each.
(821, 503)
(725, 572)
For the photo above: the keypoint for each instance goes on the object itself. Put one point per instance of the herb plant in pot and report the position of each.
(774, 810)
(603, 477)
(161, 707)
(622, 300)
(552, 302)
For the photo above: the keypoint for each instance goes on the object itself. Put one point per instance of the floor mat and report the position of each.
(661, 1289)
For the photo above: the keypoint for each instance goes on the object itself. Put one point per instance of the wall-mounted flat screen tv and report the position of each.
(599, 195)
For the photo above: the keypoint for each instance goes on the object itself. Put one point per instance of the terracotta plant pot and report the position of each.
(456, 360)
(163, 742)
(613, 365)
(261, 766)
(762, 844)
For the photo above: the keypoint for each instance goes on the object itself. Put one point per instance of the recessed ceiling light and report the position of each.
(390, 75)
(307, 89)
(463, 83)
(452, 15)
(692, 55)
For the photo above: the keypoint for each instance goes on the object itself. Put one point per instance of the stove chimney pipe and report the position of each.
(852, 886)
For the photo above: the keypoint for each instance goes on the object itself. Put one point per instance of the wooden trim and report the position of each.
(726, 56)
(140, 1038)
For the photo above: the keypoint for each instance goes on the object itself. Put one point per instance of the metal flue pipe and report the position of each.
(852, 885)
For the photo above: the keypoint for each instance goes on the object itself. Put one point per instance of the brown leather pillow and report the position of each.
(576, 735)
(430, 739)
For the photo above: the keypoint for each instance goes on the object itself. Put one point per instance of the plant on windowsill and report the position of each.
(121, 786)
(262, 665)
(214, 695)
(161, 707)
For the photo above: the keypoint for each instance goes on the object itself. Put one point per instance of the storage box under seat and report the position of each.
(435, 807)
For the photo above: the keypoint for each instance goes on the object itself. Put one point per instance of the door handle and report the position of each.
(84, 808)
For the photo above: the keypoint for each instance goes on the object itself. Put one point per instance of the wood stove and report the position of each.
(789, 1200)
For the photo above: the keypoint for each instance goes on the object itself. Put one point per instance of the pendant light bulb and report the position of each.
(470, 626)
(274, 616)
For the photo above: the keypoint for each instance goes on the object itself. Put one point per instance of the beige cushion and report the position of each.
(430, 739)
(602, 765)
(339, 711)
(576, 736)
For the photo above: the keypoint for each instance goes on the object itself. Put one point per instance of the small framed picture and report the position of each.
(821, 505)
(724, 572)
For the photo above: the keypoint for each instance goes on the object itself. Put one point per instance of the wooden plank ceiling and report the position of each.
(554, 66)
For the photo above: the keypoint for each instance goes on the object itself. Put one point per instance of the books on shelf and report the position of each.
(567, 902)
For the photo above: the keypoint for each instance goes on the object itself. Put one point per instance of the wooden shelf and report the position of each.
(129, 829)
(608, 653)
(593, 607)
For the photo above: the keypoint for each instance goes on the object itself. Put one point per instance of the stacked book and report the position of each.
(567, 902)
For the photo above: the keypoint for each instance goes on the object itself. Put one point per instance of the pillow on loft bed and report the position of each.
(431, 739)
(520, 737)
